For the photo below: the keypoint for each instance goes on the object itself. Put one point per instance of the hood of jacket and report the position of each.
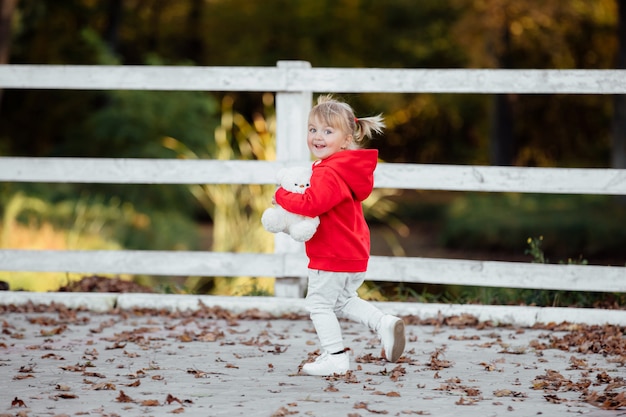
(355, 168)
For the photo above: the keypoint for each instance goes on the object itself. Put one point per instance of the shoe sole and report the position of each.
(398, 342)
(313, 373)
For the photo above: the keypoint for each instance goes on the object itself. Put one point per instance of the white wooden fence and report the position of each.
(294, 84)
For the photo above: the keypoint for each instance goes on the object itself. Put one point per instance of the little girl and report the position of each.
(343, 176)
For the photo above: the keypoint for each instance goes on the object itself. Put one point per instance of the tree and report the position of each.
(618, 130)
(7, 7)
(546, 34)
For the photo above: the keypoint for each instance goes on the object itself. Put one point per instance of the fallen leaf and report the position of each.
(509, 393)
(282, 412)
(436, 363)
(53, 332)
(606, 400)
(17, 403)
(94, 374)
(66, 396)
(104, 386)
(331, 388)
(170, 399)
(26, 369)
(552, 398)
(123, 398)
(53, 356)
(363, 406)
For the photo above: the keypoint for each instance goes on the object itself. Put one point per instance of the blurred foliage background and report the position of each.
(510, 129)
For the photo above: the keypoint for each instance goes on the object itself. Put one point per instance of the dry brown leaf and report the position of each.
(178, 410)
(150, 403)
(53, 332)
(104, 386)
(363, 406)
(123, 398)
(397, 373)
(509, 393)
(282, 412)
(131, 354)
(53, 356)
(606, 400)
(388, 394)
(65, 396)
(552, 398)
(185, 338)
(436, 363)
(94, 374)
(17, 403)
(455, 337)
(26, 369)
(170, 399)
(116, 345)
(466, 401)
(74, 368)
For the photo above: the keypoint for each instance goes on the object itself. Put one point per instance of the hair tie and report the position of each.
(356, 120)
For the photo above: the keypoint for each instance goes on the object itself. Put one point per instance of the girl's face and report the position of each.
(324, 140)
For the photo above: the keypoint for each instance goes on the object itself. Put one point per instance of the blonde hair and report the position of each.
(340, 115)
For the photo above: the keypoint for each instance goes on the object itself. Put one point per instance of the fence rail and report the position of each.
(387, 175)
(296, 78)
(381, 268)
(293, 83)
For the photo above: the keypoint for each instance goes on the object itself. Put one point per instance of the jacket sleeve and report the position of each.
(325, 192)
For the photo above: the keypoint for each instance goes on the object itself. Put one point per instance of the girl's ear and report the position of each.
(347, 142)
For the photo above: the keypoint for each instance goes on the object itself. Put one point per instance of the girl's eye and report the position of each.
(328, 131)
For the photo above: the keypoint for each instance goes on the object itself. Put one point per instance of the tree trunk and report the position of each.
(618, 126)
(193, 43)
(501, 139)
(7, 7)
(501, 136)
(111, 31)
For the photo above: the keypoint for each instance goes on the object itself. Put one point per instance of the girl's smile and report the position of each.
(324, 141)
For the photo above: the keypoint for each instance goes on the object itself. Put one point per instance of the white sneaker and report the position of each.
(391, 333)
(328, 364)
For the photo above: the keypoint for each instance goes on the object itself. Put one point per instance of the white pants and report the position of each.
(334, 294)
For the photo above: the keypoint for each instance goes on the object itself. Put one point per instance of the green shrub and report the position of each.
(572, 224)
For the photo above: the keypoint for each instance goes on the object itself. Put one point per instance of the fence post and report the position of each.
(292, 111)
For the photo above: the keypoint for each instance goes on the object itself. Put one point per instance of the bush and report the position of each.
(572, 224)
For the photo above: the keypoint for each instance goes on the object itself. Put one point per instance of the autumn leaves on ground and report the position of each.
(59, 362)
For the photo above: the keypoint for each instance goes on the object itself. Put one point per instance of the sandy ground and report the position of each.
(60, 361)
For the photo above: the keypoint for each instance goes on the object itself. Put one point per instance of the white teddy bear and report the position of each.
(276, 219)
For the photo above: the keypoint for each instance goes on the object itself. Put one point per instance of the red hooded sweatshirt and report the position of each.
(339, 184)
